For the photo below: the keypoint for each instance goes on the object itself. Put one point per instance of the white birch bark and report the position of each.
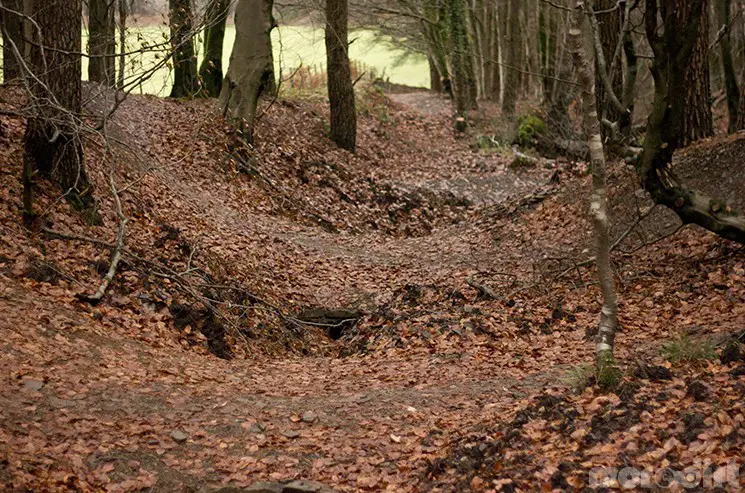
(599, 202)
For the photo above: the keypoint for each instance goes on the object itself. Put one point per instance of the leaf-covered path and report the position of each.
(116, 397)
(116, 407)
(90, 406)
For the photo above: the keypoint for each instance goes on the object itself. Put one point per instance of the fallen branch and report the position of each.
(483, 290)
(115, 259)
(522, 160)
(320, 324)
(117, 255)
(571, 148)
(165, 273)
(501, 211)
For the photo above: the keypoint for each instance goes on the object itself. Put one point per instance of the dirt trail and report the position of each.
(355, 422)
(137, 413)
(424, 102)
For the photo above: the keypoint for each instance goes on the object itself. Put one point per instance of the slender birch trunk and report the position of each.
(607, 372)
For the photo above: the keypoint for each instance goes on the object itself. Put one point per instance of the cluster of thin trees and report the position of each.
(507, 50)
(673, 51)
(42, 53)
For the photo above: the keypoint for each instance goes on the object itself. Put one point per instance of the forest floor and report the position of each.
(468, 276)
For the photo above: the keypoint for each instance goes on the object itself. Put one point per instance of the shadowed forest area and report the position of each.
(229, 266)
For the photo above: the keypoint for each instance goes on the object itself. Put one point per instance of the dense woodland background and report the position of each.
(527, 272)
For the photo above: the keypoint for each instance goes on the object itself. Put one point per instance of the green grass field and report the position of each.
(293, 46)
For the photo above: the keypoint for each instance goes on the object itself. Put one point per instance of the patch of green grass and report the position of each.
(686, 349)
(294, 46)
(607, 373)
(580, 377)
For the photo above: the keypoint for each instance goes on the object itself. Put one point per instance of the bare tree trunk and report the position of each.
(102, 41)
(532, 49)
(512, 44)
(28, 27)
(12, 29)
(698, 123)
(547, 46)
(609, 23)
(607, 372)
(435, 79)
(52, 141)
(341, 90)
(674, 44)
(475, 31)
(724, 17)
(185, 83)
(122, 43)
(433, 55)
(464, 82)
(521, 62)
(251, 55)
(211, 72)
(486, 49)
(434, 37)
(557, 107)
(741, 108)
(497, 50)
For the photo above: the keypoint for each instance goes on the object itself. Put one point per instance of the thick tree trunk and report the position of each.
(435, 79)
(28, 27)
(433, 36)
(464, 81)
(341, 90)
(470, 62)
(698, 122)
(606, 369)
(512, 49)
(185, 82)
(251, 56)
(12, 29)
(102, 41)
(724, 15)
(52, 141)
(211, 72)
(673, 50)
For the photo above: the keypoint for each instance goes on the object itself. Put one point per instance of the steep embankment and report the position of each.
(231, 246)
